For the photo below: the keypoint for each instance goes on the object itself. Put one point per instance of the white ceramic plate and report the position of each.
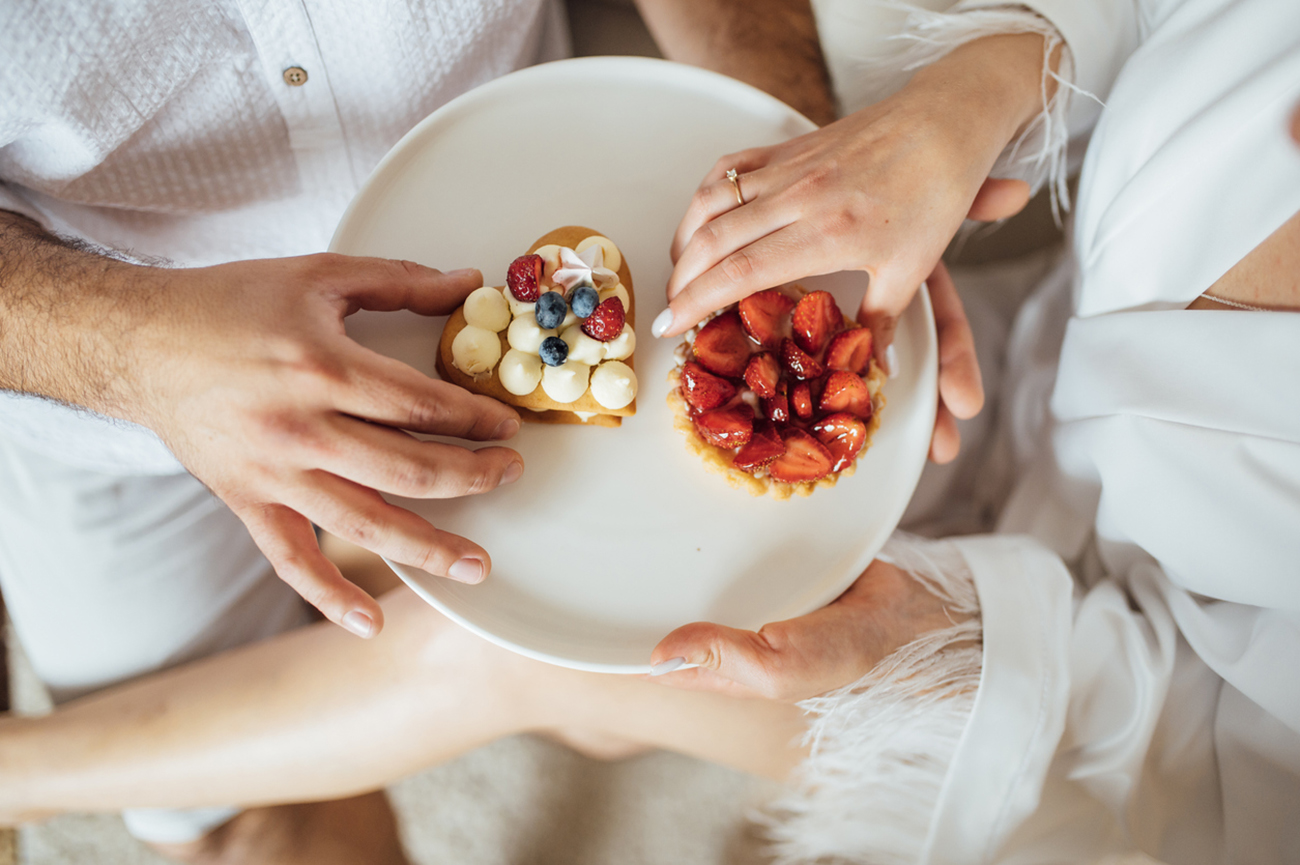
(614, 537)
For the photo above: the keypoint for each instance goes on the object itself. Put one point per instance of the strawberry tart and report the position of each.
(556, 340)
(779, 393)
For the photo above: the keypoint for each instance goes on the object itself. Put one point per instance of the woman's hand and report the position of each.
(800, 658)
(883, 190)
(246, 373)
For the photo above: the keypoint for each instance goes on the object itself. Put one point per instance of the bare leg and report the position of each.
(317, 714)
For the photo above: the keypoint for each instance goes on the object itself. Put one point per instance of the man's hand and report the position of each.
(245, 372)
(827, 649)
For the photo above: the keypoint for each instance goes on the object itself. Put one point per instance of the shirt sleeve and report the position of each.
(13, 201)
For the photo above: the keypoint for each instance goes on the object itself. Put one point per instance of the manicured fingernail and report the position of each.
(512, 473)
(464, 271)
(891, 360)
(466, 571)
(506, 429)
(667, 666)
(360, 624)
(662, 322)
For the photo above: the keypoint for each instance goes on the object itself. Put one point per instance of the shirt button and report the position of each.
(295, 76)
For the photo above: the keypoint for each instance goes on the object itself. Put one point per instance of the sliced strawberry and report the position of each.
(764, 316)
(777, 409)
(726, 427)
(846, 392)
(815, 318)
(722, 347)
(801, 365)
(765, 446)
(801, 400)
(805, 458)
(762, 374)
(606, 320)
(844, 435)
(703, 390)
(850, 350)
(523, 276)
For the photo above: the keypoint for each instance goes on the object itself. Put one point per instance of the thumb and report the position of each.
(386, 284)
(999, 198)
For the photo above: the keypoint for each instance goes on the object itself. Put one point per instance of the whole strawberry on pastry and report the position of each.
(779, 393)
(556, 341)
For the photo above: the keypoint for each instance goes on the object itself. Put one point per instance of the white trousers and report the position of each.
(108, 577)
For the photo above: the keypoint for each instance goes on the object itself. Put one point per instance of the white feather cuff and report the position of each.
(881, 747)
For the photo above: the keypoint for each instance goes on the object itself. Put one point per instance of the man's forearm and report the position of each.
(66, 318)
(771, 44)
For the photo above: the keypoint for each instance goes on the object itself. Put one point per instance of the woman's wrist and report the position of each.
(986, 91)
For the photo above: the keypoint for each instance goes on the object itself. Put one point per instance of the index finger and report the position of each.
(385, 284)
(775, 259)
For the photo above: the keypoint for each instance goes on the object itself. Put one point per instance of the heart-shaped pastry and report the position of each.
(557, 340)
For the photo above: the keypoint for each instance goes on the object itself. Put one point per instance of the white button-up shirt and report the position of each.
(171, 129)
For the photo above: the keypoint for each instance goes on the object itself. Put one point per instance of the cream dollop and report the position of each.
(613, 384)
(567, 382)
(526, 335)
(621, 346)
(520, 372)
(475, 350)
(618, 291)
(582, 347)
(487, 308)
(517, 306)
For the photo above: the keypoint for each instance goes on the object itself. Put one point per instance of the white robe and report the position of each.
(1149, 698)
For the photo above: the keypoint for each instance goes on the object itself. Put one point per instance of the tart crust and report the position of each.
(537, 406)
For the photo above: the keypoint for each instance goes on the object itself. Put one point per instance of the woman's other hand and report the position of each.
(799, 658)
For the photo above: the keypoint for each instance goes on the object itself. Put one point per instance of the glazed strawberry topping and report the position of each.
(815, 319)
(844, 435)
(722, 347)
(765, 446)
(726, 427)
(805, 458)
(763, 314)
(801, 400)
(606, 321)
(777, 409)
(845, 391)
(800, 364)
(804, 366)
(703, 390)
(763, 374)
(523, 277)
(850, 350)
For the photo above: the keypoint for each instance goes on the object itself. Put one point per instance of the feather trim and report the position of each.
(881, 747)
(1038, 155)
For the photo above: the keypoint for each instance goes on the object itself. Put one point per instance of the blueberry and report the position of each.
(584, 301)
(554, 351)
(550, 310)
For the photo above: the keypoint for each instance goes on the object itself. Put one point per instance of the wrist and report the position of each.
(986, 91)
